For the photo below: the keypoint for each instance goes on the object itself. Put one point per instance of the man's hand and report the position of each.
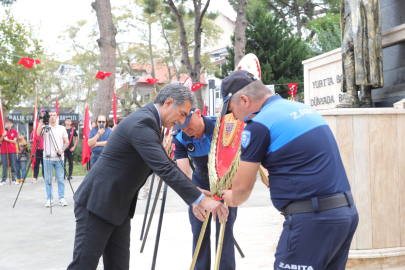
(216, 208)
(206, 192)
(227, 196)
(59, 152)
(101, 131)
(199, 212)
(72, 149)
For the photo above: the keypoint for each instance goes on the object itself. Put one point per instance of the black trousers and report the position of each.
(95, 237)
(39, 154)
(69, 157)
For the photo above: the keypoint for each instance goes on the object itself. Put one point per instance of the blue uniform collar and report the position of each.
(267, 102)
(209, 129)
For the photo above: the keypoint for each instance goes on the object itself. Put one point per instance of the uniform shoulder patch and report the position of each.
(245, 138)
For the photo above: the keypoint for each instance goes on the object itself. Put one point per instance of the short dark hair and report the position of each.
(179, 93)
(10, 120)
(68, 118)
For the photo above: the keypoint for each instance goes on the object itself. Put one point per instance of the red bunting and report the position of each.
(101, 75)
(28, 62)
(204, 109)
(151, 81)
(196, 86)
(293, 89)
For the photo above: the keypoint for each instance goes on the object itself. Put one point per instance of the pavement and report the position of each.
(33, 238)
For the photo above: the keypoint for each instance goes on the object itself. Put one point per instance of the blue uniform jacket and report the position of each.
(198, 150)
(295, 144)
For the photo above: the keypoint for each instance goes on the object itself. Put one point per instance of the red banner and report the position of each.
(293, 89)
(151, 80)
(101, 75)
(28, 62)
(57, 107)
(204, 109)
(115, 108)
(86, 149)
(34, 135)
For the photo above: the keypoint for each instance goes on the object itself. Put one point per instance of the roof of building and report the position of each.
(161, 73)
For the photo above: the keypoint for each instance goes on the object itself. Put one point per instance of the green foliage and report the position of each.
(327, 34)
(78, 152)
(279, 51)
(16, 40)
(7, 2)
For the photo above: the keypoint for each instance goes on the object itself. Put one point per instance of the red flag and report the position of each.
(293, 89)
(151, 81)
(1, 117)
(101, 75)
(35, 136)
(28, 62)
(205, 109)
(86, 149)
(115, 108)
(196, 86)
(57, 107)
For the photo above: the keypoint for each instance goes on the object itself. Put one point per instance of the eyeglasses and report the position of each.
(101, 122)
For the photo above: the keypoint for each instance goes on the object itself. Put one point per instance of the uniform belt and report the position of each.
(97, 152)
(202, 174)
(316, 205)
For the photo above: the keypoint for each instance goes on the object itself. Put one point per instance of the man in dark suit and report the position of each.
(105, 201)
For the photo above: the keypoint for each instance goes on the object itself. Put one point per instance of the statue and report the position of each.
(361, 52)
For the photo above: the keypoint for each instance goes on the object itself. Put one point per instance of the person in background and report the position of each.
(93, 125)
(8, 151)
(56, 142)
(98, 138)
(39, 154)
(22, 157)
(72, 146)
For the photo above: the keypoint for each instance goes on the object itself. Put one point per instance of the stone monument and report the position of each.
(361, 52)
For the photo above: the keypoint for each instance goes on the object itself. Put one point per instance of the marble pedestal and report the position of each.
(372, 147)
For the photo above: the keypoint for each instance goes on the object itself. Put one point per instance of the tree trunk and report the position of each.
(298, 17)
(152, 64)
(240, 29)
(193, 72)
(107, 45)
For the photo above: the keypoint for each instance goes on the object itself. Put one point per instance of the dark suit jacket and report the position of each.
(132, 152)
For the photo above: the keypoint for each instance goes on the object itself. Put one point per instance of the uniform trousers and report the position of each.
(228, 249)
(95, 237)
(317, 241)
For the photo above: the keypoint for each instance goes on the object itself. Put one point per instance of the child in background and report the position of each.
(22, 157)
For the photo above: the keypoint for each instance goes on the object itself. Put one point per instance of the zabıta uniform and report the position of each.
(299, 151)
(308, 183)
(198, 150)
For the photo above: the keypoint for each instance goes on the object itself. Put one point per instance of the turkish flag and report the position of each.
(115, 108)
(151, 80)
(57, 107)
(101, 75)
(204, 109)
(28, 62)
(34, 136)
(86, 149)
(293, 89)
(1, 117)
(196, 86)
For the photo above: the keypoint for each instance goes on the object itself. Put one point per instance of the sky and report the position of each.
(54, 15)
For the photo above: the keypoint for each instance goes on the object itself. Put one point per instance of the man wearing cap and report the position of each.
(308, 183)
(194, 140)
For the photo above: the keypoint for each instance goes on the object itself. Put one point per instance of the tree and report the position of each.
(279, 51)
(240, 29)
(107, 45)
(17, 40)
(193, 69)
(301, 12)
(7, 2)
(327, 34)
